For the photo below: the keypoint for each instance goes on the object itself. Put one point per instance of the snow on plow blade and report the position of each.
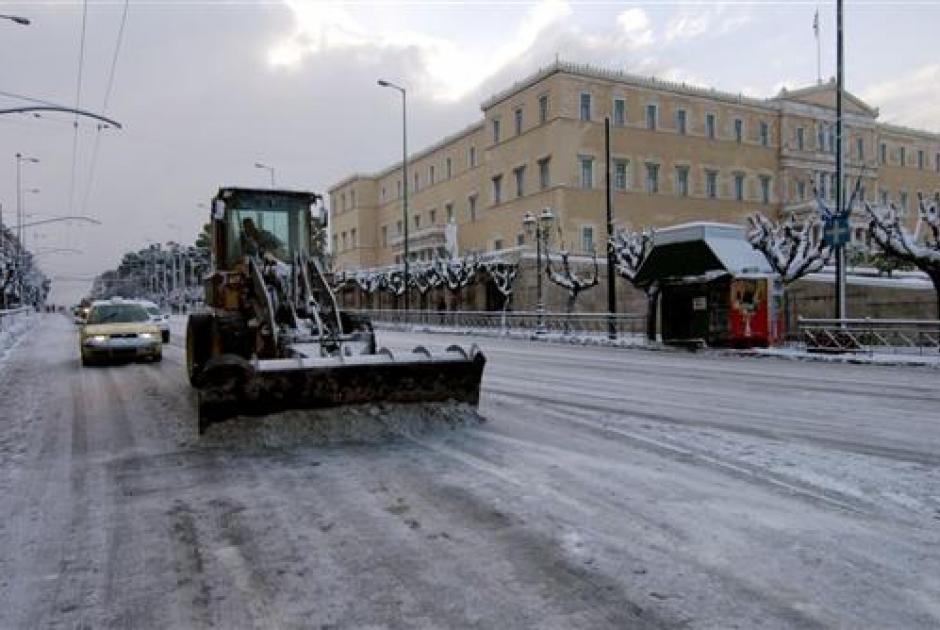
(231, 386)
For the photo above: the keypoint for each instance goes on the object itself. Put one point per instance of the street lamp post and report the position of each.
(18, 264)
(269, 169)
(404, 177)
(540, 230)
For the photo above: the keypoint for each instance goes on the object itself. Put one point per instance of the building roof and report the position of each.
(700, 250)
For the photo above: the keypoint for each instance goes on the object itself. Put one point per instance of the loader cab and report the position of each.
(247, 222)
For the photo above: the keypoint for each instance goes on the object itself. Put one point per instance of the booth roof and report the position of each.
(700, 250)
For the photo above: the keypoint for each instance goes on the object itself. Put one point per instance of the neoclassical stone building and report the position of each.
(679, 153)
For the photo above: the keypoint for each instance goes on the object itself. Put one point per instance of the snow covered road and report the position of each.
(607, 488)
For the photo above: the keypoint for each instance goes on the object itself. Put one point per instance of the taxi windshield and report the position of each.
(117, 314)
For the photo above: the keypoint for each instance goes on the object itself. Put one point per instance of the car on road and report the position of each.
(157, 318)
(119, 329)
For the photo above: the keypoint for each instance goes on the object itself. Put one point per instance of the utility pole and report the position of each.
(842, 213)
(611, 287)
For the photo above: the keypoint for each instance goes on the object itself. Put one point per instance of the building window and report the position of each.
(765, 189)
(936, 162)
(415, 189)
(587, 172)
(831, 136)
(832, 186)
(431, 175)
(383, 193)
(620, 112)
(821, 189)
(682, 181)
(497, 244)
(587, 238)
(344, 241)
(342, 200)
(884, 197)
(497, 189)
(620, 174)
(335, 243)
(384, 236)
(399, 188)
(738, 130)
(417, 220)
(739, 187)
(821, 137)
(904, 201)
(800, 139)
(860, 148)
(472, 157)
(352, 237)
(651, 112)
(543, 108)
(433, 216)
(517, 119)
(652, 178)
(801, 190)
(496, 131)
(520, 239)
(544, 174)
(902, 156)
(710, 126)
(449, 209)
(681, 121)
(882, 153)
(449, 168)
(352, 198)
(920, 160)
(711, 184)
(398, 227)
(585, 106)
(472, 207)
(520, 181)
(764, 134)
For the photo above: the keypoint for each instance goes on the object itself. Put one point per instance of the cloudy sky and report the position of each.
(207, 88)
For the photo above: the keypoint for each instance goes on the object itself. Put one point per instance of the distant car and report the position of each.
(157, 318)
(119, 329)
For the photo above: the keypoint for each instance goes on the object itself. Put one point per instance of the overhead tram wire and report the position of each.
(104, 107)
(78, 94)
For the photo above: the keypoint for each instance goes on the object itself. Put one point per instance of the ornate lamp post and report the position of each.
(539, 229)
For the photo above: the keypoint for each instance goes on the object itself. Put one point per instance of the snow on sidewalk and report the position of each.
(12, 327)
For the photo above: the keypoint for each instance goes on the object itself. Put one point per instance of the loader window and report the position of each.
(278, 232)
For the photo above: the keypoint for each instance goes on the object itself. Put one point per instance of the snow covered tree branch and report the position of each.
(630, 250)
(920, 248)
(570, 280)
(792, 248)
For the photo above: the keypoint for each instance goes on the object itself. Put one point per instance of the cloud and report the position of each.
(909, 99)
(714, 20)
(448, 69)
(635, 26)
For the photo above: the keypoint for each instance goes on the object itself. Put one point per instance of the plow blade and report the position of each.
(232, 386)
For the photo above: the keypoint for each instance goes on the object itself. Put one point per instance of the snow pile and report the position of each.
(11, 331)
(351, 424)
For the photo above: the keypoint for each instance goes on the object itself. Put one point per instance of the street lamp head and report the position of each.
(383, 83)
(260, 165)
(528, 223)
(20, 20)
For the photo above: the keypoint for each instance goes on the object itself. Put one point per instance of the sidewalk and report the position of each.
(929, 358)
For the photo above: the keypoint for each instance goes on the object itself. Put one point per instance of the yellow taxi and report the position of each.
(119, 329)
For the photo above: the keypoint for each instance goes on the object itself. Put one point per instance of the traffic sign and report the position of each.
(836, 231)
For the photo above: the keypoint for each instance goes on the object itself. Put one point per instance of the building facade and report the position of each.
(678, 154)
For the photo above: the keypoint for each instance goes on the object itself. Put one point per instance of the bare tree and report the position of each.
(920, 248)
(504, 276)
(792, 248)
(631, 249)
(570, 281)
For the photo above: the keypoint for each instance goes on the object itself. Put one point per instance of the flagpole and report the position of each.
(818, 48)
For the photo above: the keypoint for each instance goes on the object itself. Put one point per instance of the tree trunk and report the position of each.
(572, 298)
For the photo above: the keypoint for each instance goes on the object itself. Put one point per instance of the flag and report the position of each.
(816, 23)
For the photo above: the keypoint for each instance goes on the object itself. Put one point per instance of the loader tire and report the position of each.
(199, 332)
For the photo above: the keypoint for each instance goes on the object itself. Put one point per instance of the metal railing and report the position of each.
(8, 317)
(575, 324)
(867, 335)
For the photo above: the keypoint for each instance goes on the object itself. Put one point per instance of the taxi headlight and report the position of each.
(148, 336)
(96, 339)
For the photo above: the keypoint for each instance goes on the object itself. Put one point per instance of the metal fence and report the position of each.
(9, 317)
(552, 323)
(907, 336)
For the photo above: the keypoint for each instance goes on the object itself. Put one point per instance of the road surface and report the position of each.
(606, 488)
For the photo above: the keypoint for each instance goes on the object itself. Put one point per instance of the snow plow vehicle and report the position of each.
(273, 337)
